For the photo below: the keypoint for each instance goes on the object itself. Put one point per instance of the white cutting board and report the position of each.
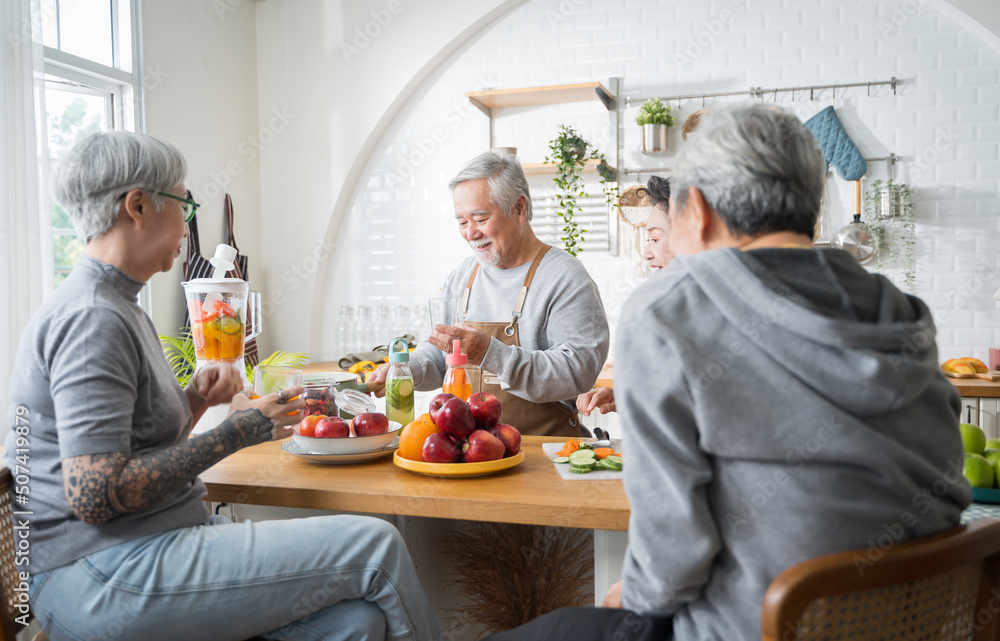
(550, 450)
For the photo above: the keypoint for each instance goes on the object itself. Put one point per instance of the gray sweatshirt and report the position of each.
(563, 331)
(777, 405)
(92, 379)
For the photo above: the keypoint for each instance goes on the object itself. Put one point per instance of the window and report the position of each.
(89, 86)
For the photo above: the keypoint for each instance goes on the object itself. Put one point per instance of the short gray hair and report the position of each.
(503, 173)
(758, 168)
(97, 170)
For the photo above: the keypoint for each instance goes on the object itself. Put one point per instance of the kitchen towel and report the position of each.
(837, 146)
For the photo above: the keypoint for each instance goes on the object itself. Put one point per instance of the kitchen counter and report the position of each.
(971, 387)
(967, 387)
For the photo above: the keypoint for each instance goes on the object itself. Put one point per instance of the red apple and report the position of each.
(509, 436)
(455, 418)
(332, 427)
(486, 410)
(482, 446)
(370, 424)
(438, 448)
(437, 403)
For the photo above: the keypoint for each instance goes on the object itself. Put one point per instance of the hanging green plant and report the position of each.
(889, 219)
(180, 354)
(570, 153)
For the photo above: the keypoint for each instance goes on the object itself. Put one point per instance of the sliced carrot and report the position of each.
(603, 452)
(569, 447)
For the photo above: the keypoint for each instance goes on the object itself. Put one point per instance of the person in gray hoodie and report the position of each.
(778, 401)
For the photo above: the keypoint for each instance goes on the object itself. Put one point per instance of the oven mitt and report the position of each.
(836, 145)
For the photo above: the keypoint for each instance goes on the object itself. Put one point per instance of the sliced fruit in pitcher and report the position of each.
(231, 325)
(224, 308)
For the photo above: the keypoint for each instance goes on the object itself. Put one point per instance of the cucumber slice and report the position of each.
(579, 470)
(604, 465)
(582, 464)
(582, 454)
(617, 460)
(561, 459)
(231, 325)
(611, 465)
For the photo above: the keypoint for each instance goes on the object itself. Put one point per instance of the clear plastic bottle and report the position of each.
(382, 326)
(456, 378)
(399, 385)
(400, 321)
(364, 334)
(345, 331)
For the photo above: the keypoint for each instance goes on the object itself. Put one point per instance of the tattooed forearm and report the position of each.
(86, 480)
(101, 486)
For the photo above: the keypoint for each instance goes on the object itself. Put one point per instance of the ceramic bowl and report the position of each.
(349, 445)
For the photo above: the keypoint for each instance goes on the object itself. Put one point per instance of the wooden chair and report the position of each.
(9, 612)
(938, 588)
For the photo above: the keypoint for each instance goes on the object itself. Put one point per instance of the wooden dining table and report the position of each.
(531, 492)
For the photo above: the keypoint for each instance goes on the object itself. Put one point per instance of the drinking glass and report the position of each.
(268, 379)
(444, 311)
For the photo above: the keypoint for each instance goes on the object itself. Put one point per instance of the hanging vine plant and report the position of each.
(889, 219)
(570, 153)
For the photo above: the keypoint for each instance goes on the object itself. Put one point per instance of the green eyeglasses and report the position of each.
(190, 206)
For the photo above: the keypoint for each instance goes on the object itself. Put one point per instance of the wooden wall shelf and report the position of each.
(549, 168)
(486, 101)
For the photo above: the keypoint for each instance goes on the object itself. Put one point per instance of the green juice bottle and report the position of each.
(399, 385)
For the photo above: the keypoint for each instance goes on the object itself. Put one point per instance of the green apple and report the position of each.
(992, 456)
(973, 438)
(993, 443)
(977, 471)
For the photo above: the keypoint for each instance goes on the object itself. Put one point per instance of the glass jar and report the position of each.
(323, 397)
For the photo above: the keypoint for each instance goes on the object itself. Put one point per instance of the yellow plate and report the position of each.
(457, 469)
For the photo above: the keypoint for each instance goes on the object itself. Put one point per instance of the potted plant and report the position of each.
(889, 218)
(179, 351)
(570, 152)
(654, 118)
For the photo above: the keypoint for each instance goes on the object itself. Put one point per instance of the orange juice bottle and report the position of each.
(456, 378)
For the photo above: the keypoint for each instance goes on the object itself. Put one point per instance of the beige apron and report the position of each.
(539, 419)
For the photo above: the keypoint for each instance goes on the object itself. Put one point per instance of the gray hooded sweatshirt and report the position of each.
(777, 405)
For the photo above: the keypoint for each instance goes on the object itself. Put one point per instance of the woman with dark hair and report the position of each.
(658, 254)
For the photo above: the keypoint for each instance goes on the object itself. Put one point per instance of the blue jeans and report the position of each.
(325, 577)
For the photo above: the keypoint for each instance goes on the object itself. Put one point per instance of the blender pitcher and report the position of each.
(218, 310)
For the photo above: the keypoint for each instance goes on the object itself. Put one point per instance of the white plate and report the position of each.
(349, 445)
(292, 448)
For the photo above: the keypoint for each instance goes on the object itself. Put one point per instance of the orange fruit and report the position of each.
(425, 418)
(307, 426)
(411, 439)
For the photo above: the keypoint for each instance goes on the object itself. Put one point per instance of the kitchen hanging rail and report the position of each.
(761, 92)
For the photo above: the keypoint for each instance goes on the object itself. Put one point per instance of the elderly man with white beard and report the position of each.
(534, 324)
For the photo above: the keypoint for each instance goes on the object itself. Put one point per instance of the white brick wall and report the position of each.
(400, 241)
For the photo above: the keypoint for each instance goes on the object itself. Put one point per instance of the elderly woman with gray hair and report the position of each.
(120, 537)
(769, 401)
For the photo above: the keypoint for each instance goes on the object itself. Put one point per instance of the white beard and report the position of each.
(489, 258)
